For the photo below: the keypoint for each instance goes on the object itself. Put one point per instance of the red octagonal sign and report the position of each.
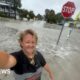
(68, 9)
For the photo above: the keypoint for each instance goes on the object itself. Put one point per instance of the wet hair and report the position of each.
(28, 31)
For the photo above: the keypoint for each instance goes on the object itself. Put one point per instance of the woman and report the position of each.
(28, 62)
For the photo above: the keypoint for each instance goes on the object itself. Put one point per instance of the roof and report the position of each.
(4, 4)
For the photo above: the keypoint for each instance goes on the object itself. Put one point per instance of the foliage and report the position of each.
(39, 17)
(23, 13)
(26, 14)
(50, 16)
(31, 15)
(17, 3)
(59, 18)
(2, 14)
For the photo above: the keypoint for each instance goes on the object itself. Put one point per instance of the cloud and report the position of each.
(39, 6)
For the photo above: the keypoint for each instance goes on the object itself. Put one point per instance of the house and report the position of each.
(7, 9)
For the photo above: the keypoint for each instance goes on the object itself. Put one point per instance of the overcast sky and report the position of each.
(39, 6)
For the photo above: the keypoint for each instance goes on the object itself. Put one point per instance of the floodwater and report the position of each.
(63, 58)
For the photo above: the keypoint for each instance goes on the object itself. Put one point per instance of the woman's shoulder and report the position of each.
(17, 53)
(39, 53)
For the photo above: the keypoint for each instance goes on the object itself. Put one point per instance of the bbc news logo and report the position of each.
(5, 71)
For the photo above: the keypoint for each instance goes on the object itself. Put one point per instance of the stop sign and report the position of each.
(68, 9)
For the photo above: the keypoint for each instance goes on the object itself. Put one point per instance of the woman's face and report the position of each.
(29, 43)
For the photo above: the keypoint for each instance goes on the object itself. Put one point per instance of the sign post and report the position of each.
(68, 10)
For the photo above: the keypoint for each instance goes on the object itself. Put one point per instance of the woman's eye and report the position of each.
(27, 42)
(33, 42)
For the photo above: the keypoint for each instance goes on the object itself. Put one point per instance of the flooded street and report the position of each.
(63, 59)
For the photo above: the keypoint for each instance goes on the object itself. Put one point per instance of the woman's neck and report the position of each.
(29, 55)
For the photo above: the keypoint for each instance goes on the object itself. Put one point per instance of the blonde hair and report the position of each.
(28, 31)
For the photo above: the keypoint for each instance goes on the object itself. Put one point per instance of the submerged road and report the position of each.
(63, 59)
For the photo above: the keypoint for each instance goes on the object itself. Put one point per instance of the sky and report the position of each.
(39, 6)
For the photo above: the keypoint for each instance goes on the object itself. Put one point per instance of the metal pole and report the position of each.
(60, 33)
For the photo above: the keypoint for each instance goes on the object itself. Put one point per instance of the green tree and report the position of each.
(50, 16)
(15, 3)
(31, 15)
(23, 13)
(46, 15)
(59, 18)
(39, 17)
